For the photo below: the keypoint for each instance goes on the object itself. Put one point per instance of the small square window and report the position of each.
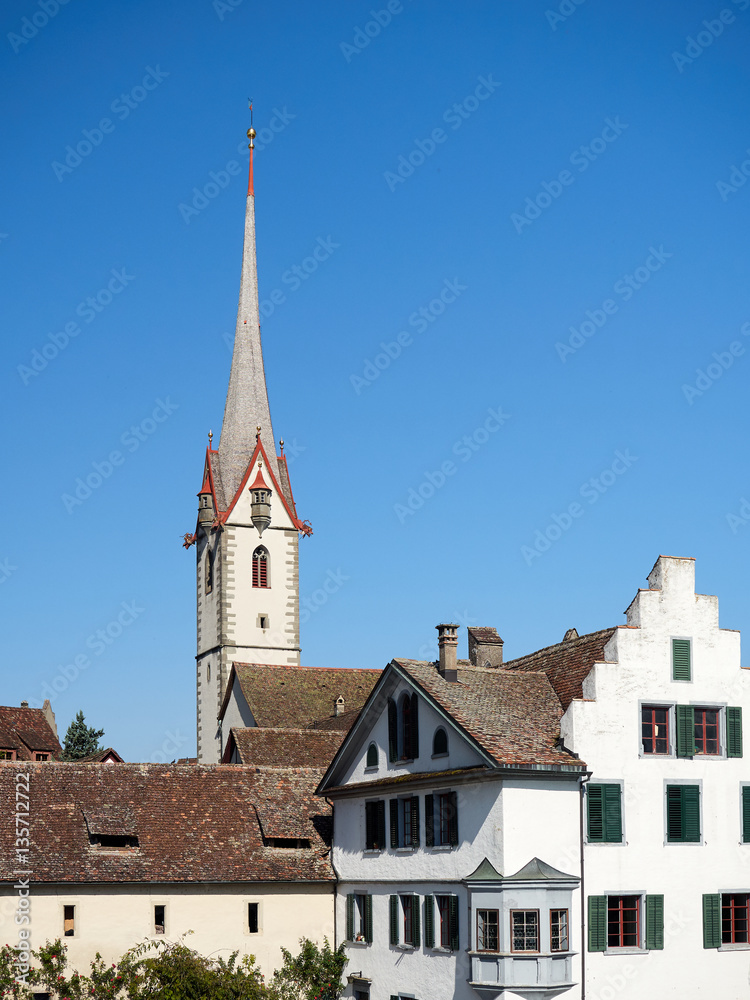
(525, 930)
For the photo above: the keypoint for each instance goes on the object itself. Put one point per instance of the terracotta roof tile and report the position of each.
(29, 729)
(286, 747)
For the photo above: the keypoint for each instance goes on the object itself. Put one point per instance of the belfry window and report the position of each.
(209, 576)
(260, 567)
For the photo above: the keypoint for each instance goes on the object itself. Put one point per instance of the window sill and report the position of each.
(626, 951)
(437, 756)
(373, 851)
(357, 944)
(370, 770)
(404, 947)
(440, 848)
(740, 946)
(404, 850)
(441, 950)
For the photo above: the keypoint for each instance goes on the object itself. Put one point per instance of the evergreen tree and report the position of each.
(80, 739)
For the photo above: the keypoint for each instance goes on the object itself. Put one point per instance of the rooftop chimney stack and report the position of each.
(338, 706)
(24, 704)
(448, 652)
(485, 647)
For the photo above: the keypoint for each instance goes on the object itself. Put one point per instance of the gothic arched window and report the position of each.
(439, 743)
(372, 756)
(260, 567)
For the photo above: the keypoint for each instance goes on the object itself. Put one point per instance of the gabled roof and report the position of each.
(538, 871)
(108, 756)
(26, 731)
(194, 823)
(284, 747)
(567, 663)
(289, 697)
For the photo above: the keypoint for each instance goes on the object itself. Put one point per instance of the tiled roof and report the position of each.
(100, 756)
(567, 663)
(26, 730)
(286, 697)
(194, 823)
(286, 747)
(337, 723)
(515, 717)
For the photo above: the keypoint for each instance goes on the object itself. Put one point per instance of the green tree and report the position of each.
(315, 974)
(80, 739)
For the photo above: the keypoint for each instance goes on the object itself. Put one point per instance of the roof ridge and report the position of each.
(556, 645)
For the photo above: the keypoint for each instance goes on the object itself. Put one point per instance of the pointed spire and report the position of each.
(247, 398)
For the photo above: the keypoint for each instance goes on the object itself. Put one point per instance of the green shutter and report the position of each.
(655, 922)
(680, 659)
(711, 920)
(381, 824)
(369, 826)
(415, 922)
(597, 923)
(746, 814)
(429, 921)
(372, 756)
(394, 822)
(613, 814)
(453, 820)
(734, 732)
(393, 910)
(691, 813)
(392, 730)
(429, 820)
(350, 917)
(453, 914)
(414, 750)
(685, 715)
(674, 812)
(415, 821)
(595, 803)
(368, 918)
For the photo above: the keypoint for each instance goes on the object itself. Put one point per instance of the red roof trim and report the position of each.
(259, 449)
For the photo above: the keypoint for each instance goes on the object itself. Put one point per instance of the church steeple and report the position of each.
(247, 398)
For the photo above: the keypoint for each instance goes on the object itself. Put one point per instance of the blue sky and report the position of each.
(570, 179)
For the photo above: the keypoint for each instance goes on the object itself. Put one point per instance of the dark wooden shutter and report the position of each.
(350, 917)
(368, 918)
(369, 826)
(597, 923)
(453, 819)
(691, 818)
(595, 803)
(416, 936)
(681, 659)
(414, 749)
(394, 822)
(453, 914)
(674, 812)
(393, 912)
(746, 814)
(685, 715)
(655, 922)
(429, 820)
(734, 732)
(711, 920)
(392, 730)
(415, 821)
(381, 824)
(429, 921)
(613, 814)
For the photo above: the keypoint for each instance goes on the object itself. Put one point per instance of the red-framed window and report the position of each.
(488, 936)
(706, 730)
(623, 921)
(558, 930)
(655, 729)
(735, 918)
(524, 925)
(260, 567)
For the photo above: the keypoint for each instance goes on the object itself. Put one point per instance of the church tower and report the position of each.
(248, 531)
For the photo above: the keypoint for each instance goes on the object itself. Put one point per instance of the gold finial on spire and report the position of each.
(251, 133)
(281, 442)
(210, 438)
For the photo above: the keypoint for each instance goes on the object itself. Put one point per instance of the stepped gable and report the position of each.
(193, 823)
(289, 747)
(567, 663)
(515, 717)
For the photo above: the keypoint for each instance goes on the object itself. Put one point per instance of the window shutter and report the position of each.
(394, 822)
(453, 820)
(369, 825)
(680, 659)
(394, 919)
(746, 814)
(392, 730)
(368, 918)
(595, 803)
(685, 715)
(415, 821)
(691, 820)
(674, 812)
(429, 820)
(597, 923)
(612, 814)
(414, 751)
(350, 917)
(453, 911)
(711, 920)
(655, 922)
(415, 929)
(381, 824)
(734, 732)
(429, 921)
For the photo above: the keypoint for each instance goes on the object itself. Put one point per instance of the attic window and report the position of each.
(7, 754)
(287, 842)
(41, 756)
(113, 842)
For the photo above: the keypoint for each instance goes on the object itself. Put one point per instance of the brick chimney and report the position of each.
(338, 706)
(448, 646)
(485, 647)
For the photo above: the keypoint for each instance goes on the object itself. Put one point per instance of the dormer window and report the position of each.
(260, 567)
(113, 841)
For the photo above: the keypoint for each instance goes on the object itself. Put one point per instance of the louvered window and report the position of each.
(375, 826)
(359, 917)
(260, 567)
(604, 806)
(683, 814)
(681, 660)
(746, 814)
